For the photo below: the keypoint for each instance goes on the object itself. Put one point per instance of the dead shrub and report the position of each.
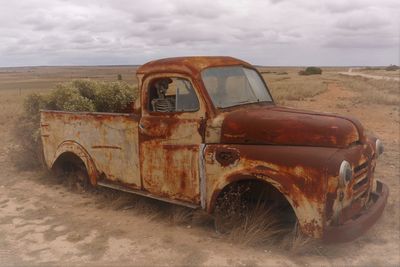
(79, 95)
(180, 215)
(150, 208)
(202, 218)
(123, 201)
(28, 154)
(230, 208)
(260, 226)
(296, 242)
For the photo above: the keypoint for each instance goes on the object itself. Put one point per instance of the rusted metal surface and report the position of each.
(190, 157)
(361, 221)
(284, 126)
(190, 66)
(170, 146)
(110, 141)
(363, 161)
(297, 172)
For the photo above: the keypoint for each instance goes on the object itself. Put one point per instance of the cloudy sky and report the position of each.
(265, 32)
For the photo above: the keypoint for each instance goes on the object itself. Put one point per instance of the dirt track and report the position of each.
(42, 222)
(369, 76)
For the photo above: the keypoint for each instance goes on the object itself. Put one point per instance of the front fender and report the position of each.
(299, 173)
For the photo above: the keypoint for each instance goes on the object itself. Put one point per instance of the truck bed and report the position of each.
(110, 140)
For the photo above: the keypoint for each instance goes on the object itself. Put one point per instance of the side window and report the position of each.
(172, 95)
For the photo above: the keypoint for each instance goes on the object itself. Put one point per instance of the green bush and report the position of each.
(86, 88)
(79, 95)
(114, 97)
(311, 71)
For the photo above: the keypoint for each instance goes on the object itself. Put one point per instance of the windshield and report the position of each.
(232, 86)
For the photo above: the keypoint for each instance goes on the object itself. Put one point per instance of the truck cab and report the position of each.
(202, 125)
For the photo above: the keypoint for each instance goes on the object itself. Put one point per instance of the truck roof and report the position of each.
(188, 65)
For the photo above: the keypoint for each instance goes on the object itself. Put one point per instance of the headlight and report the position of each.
(345, 173)
(378, 147)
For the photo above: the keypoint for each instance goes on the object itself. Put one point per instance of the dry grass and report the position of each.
(44, 78)
(180, 215)
(380, 72)
(259, 227)
(244, 215)
(370, 91)
(295, 87)
(296, 242)
(263, 226)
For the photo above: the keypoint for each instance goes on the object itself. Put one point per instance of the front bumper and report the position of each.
(359, 224)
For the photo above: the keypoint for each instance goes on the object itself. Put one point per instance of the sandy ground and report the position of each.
(44, 223)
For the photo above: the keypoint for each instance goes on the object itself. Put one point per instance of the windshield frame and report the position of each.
(271, 102)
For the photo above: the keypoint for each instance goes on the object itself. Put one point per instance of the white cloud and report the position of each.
(60, 32)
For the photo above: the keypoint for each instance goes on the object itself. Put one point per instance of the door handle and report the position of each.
(150, 130)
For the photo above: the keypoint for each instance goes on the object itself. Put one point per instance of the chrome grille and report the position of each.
(361, 179)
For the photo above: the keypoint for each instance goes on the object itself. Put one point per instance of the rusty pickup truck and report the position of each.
(204, 124)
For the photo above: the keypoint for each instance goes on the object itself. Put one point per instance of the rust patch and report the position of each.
(279, 126)
(102, 135)
(330, 199)
(226, 156)
(311, 227)
(191, 66)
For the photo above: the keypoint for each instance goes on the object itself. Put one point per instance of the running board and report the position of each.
(146, 194)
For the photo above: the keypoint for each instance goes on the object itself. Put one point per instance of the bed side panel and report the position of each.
(110, 139)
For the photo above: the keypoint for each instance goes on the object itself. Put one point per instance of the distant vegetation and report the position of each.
(311, 71)
(79, 95)
(372, 68)
(388, 68)
(392, 68)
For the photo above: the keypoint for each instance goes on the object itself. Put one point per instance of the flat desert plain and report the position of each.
(44, 222)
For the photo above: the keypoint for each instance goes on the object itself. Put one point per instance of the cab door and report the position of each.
(170, 135)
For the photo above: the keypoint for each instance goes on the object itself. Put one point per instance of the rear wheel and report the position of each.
(71, 170)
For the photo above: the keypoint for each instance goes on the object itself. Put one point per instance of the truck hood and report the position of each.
(276, 125)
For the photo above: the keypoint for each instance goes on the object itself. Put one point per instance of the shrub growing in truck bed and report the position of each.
(79, 95)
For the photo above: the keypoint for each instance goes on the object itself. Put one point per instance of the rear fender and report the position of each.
(77, 149)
